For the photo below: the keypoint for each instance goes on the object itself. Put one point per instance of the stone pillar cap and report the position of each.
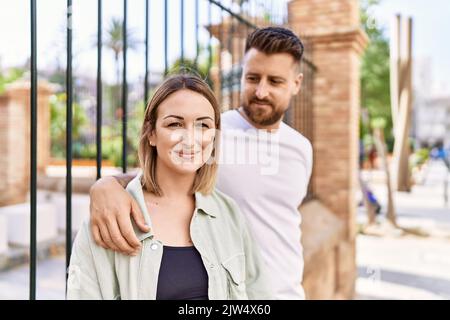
(44, 87)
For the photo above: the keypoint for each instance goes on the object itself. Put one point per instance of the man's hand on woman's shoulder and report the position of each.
(111, 208)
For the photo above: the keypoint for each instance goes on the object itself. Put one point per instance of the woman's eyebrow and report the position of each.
(181, 118)
(178, 117)
(202, 118)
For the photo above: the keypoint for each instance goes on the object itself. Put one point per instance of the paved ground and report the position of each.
(14, 284)
(406, 266)
(393, 266)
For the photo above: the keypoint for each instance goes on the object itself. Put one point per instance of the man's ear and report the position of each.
(297, 83)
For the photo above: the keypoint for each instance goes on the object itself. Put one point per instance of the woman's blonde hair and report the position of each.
(206, 176)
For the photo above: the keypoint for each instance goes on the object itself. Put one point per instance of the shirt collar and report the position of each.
(206, 204)
(203, 203)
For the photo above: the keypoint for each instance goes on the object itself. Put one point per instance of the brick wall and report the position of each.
(15, 140)
(337, 42)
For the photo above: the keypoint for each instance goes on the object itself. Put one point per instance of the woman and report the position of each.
(198, 246)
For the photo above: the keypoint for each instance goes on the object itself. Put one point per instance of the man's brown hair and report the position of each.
(272, 40)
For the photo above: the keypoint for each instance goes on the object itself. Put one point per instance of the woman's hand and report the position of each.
(111, 209)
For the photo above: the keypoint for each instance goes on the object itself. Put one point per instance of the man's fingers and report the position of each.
(118, 239)
(127, 231)
(107, 238)
(138, 216)
(97, 237)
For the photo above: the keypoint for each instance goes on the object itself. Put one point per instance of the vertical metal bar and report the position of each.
(146, 55)
(209, 40)
(231, 72)
(124, 90)
(33, 150)
(99, 89)
(311, 106)
(241, 37)
(197, 43)
(166, 61)
(210, 53)
(254, 12)
(273, 12)
(182, 30)
(69, 94)
(221, 39)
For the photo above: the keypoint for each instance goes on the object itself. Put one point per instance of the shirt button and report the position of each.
(154, 247)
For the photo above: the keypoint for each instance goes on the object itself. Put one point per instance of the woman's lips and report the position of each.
(187, 155)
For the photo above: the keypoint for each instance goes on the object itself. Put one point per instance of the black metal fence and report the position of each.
(227, 22)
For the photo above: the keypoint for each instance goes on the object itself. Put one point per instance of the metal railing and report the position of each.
(228, 23)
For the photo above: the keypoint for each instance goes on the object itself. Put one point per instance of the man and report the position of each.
(268, 181)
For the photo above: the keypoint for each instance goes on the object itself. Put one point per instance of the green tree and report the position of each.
(114, 41)
(375, 73)
(10, 76)
(58, 125)
(112, 138)
(188, 66)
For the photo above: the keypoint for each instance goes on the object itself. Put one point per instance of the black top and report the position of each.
(182, 275)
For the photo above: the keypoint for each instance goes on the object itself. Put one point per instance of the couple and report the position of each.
(190, 237)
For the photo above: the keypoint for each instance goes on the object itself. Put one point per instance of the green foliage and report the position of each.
(114, 37)
(189, 66)
(375, 73)
(111, 134)
(114, 42)
(379, 122)
(419, 157)
(58, 125)
(112, 138)
(12, 75)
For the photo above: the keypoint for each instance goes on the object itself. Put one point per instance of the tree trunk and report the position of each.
(381, 149)
(371, 216)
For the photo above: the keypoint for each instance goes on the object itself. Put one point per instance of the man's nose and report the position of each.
(262, 90)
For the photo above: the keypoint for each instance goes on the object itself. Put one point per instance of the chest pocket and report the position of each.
(235, 272)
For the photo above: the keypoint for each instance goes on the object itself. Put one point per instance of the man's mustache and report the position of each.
(256, 100)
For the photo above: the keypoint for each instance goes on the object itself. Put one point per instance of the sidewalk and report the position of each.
(50, 275)
(408, 266)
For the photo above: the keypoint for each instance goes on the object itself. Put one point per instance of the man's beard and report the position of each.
(261, 117)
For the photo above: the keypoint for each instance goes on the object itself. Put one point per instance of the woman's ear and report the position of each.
(152, 138)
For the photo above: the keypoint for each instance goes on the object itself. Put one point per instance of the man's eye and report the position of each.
(251, 78)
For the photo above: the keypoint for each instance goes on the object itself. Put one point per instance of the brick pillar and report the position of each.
(15, 139)
(332, 28)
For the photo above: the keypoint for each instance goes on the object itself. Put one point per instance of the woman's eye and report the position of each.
(175, 124)
(202, 125)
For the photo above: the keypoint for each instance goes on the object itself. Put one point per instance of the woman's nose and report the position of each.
(191, 136)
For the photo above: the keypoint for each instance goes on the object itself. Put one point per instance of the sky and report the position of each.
(51, 35)
(51, 22)
(431, 33)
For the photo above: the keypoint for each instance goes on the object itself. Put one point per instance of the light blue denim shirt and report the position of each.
(218, 231)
